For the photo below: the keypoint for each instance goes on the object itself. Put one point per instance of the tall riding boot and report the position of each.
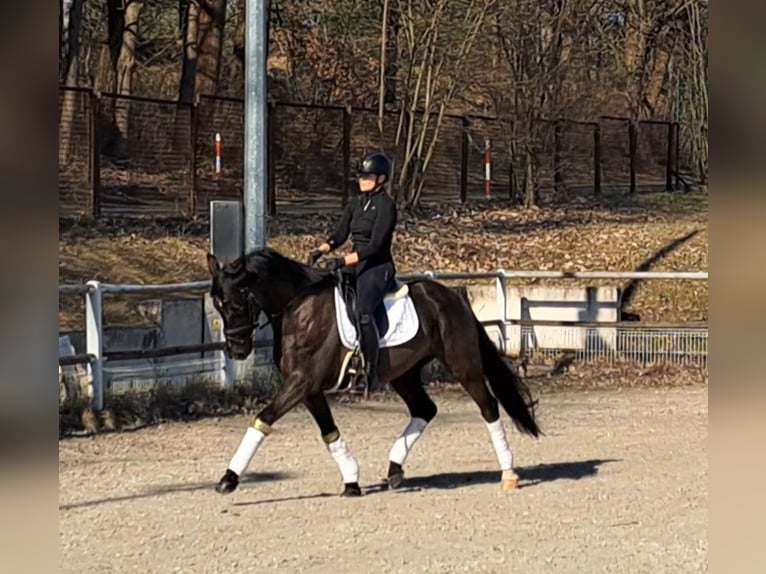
(369, 340)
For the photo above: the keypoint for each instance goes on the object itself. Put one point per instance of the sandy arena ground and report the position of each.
(619, 484)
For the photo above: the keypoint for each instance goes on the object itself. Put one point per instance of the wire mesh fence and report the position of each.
(138, 156)
(643, 344)
(76, 155)
(145, 156)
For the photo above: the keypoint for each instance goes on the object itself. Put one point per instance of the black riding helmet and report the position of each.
(375, 164)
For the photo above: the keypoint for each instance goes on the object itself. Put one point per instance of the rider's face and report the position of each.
(367, 183)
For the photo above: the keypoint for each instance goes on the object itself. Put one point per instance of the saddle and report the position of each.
(352, 366)
(347, 286)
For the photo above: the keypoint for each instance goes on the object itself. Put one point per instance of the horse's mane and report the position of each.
(268, 264)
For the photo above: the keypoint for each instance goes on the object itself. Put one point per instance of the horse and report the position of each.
(300, 302)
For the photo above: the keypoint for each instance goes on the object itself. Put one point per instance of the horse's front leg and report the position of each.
(316, 404)
(292, 393)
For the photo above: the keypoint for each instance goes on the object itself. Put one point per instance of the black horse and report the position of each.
(298, 301)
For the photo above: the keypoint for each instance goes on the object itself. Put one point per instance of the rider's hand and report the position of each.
(336, 263)
(314, 256)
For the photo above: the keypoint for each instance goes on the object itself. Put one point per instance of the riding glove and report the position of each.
(314, 257)
(336, 263)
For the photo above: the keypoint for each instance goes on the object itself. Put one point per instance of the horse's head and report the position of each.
(234, 298)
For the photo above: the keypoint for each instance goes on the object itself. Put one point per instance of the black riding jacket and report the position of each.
(370, 219)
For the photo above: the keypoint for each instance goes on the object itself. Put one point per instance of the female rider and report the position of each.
(370, 218)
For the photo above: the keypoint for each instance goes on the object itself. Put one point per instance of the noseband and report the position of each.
(241, 335)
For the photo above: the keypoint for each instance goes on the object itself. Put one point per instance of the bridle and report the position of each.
(241, 335)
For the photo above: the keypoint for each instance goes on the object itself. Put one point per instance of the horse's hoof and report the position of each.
(394, 480)
(510, 484)
(228, 483)
(351, 489)
(509, 481)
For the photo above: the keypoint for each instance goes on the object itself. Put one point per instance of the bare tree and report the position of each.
(437, 36)
(384, 41)
(110, 45)
(650, 36)
(535, 40)
(125, 66)
(390, 24)
(189, 14)
(695, 118)
(210, 31)
(70, 28)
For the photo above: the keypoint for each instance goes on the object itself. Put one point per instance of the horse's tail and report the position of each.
(508, 388)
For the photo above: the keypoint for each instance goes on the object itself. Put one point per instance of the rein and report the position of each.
(252, 327)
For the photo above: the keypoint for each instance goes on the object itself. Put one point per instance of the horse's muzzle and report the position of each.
(238, 352)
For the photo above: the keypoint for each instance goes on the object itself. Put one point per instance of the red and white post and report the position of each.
(218, 147)
(487, 169)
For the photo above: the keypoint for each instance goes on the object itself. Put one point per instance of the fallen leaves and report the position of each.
(478, 236)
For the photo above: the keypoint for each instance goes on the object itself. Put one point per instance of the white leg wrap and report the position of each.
(349, 468)
(407, 440)
(250, 443)
(499, 441)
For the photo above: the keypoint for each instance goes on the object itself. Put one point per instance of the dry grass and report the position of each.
(619, 233)
(134, 410)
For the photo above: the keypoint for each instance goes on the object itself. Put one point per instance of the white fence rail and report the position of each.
(94, 291)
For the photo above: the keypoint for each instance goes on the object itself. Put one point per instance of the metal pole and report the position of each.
(256, 135)
(94, 344)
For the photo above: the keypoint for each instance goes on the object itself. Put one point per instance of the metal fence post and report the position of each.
(558, 176)
(346, 147)
(501, 298)
(669, 159)
(94, 342)
(464, 151)
(271, 130)
(632, 152)
(95, 154)
(193, 133)
(596, 159)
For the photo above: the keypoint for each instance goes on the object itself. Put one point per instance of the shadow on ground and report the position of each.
(175, 488)
(529, 476)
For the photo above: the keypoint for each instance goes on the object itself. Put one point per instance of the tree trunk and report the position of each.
(125, 65)
(212, 16)
(393, 25)
(382, 81)
(530, 180)
(71, 22)
(652, 92)
(111, 43)
(189, 66)
(70, 71)
(635, 49)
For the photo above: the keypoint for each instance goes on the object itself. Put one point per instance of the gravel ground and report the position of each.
(618, 484)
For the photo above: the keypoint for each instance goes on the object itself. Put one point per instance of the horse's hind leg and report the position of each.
(317, 406)
(422, 411)
(292, 393)
(465, 365)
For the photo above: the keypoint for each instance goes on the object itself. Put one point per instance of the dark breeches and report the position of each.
(371, 286)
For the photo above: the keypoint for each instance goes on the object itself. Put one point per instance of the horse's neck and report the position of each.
(279, 294)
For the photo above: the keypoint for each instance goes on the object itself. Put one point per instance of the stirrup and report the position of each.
(353, 372)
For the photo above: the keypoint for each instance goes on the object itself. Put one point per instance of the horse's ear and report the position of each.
(236, 266)
(253, 265)
(213, 265)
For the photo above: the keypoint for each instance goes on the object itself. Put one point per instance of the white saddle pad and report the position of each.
(402, 320)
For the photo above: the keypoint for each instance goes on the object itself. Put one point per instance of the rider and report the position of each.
(370, 217)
